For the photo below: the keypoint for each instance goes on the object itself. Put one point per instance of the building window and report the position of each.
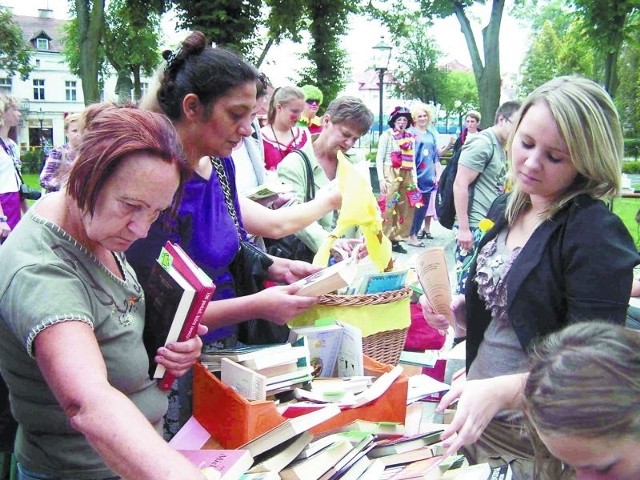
(42, 44)
(38, 89)
(144, 88)
(70, 88)
(37, 63)
(6, 85)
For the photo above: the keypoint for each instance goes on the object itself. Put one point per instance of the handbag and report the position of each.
(291, 246)
(249, 271)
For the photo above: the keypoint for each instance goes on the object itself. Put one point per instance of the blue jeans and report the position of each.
(24, 474)
(419, 214)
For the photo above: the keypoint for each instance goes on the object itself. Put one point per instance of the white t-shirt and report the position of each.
(9, 181)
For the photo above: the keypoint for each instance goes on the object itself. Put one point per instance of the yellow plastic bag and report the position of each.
(359, 209)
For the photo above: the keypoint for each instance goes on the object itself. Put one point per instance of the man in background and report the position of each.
(480, 179)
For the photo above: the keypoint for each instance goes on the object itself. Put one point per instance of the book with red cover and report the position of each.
(204, 291)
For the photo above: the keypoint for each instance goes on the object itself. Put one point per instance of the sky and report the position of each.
(363, 35)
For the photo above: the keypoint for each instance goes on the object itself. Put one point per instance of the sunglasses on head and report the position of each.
(312, 100)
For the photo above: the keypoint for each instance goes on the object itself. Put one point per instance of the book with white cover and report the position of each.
(324, 344)
(289, 428)
(350, 358)
(330, 279)
(243, 380)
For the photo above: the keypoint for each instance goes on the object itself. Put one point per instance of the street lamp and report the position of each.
(40, 115)
(381, 57)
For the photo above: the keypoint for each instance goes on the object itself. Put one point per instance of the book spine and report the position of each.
(190, 328)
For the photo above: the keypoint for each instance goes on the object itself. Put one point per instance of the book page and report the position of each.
(431, 267)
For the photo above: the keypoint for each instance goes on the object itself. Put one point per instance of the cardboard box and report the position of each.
(233, 420)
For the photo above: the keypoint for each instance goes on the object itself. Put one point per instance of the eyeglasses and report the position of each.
(311, 101)
(508, 120)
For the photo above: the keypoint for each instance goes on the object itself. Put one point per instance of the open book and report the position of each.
(431, 267)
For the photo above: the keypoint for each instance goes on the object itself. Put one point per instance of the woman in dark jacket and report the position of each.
(554, 255)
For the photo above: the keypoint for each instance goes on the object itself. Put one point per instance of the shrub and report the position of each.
(632, 147)
(631, 167)
(31, 161)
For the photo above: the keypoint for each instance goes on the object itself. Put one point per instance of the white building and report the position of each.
(51, 92)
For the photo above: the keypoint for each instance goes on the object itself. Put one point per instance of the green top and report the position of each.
(48, 278)
(292, 170)
(475, 154)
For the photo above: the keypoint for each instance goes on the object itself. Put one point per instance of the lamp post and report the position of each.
(381, 57)
(40, 115)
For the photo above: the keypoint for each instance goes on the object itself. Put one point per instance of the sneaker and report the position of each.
(396, 247)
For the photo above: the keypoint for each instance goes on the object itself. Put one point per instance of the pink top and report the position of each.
(275, 151)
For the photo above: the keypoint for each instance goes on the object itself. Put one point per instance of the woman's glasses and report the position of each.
(312, 101)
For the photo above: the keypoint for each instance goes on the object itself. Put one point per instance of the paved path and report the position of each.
(441, 238)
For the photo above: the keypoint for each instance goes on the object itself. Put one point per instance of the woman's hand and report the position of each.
(280, 304)
(479, 401)
(440, 322)
(383, 187)
(346, 246)
(288, 271)
(179, 357)
(331, 194)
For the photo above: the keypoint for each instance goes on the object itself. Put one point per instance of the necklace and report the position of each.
(284, 151)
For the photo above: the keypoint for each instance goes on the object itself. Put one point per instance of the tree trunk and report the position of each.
(611, 57)
(124, 86)
(487, 74)
(137, 84)
(91, 27)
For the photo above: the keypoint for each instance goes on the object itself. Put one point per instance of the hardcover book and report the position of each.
(204, 291)
(168, 300)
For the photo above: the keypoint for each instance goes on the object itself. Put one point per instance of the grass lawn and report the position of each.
(32, 179)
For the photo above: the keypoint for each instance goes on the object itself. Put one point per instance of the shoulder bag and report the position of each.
(291, 246)
(249, 271)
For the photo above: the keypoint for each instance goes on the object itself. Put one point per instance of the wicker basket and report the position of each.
(384, 347)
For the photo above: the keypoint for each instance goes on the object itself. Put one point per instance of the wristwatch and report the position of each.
(3, 218)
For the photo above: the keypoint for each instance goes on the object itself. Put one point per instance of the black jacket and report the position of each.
(576, 266)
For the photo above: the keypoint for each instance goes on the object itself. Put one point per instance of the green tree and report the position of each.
(328, 22)
(628, 97)
(486, 67)
(486, 72)
(419, 76)
(15, 55)
(131, 50)
(606, 24)
(560, 47)
(230, 24)
(89, 30)
(459, 94)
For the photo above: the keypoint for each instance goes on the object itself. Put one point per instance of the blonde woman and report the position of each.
(540, 267)
(60, 159)
(11, 206)
(582, 398)
(428, 169)
(281, 135)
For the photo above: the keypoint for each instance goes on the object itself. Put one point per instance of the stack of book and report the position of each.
(177, 295)
(362, 450)
(258, 373)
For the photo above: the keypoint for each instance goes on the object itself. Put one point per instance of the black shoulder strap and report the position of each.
(311, 187)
